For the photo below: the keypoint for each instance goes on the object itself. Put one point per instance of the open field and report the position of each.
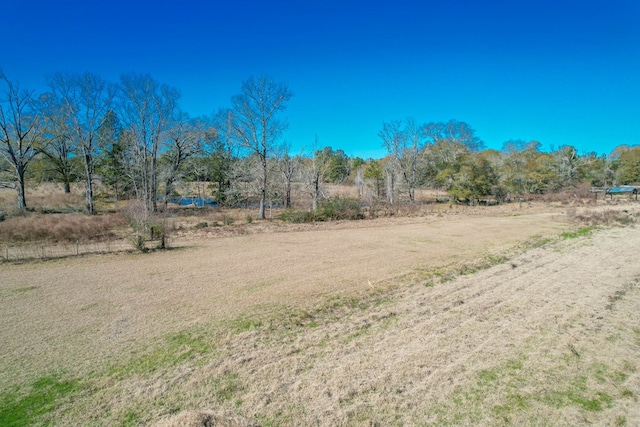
(466, 316)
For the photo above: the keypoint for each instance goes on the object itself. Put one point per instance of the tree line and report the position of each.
(133, 137)
(449, 155)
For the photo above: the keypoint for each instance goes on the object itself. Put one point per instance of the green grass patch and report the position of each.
(173, 350)
(41, 397)
(243, 324)
(23, 289)
(12, 292)
(389, 320)
(338, 301)
(625, 392)
(621, 420)
(513, 402)
(275, 420)
(487, 376)
(580, 232)
(497, 397)
(501, 383)
(132, 418)
(443, 274)
(577, 393)
(536, 241)
(466, 269)
(496, 259)
(360, 332)
(226, 388)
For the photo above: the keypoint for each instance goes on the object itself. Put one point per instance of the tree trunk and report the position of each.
(154, 180)
(89, 182)
(287, 201)
(221, 192)
(22, 200)
(316, 192)
(144, 184)
(89, 196)
(167, 191)
(263, 189)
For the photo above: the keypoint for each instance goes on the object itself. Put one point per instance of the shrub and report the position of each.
(338, 208)
(146, 227)
(296, 216)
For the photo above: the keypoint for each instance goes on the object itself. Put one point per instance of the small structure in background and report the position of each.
(612, 191)
(598, 190)
(624, 189)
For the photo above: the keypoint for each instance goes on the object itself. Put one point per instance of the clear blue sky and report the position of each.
(557, 71)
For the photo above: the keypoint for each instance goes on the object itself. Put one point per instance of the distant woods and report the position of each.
(130, 139)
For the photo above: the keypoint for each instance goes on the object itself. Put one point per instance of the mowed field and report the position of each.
(465, 316)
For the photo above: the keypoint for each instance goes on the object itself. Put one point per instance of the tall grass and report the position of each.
(594, 217)
(44, 198)
(61, 228)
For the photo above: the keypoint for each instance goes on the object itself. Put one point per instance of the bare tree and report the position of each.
(314, 170)
(223, 153)
(453, 131)
(256, 123)
(390, 171)
(288, 166)
(62, 147)
(147, 110)
(20, 134)
(405, 146)
(126, 160)
(243, 174)
(86, 99)
(185, 139)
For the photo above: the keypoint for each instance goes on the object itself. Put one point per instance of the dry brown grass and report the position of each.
(47, 197)
(604, 213)
(459, 316)
(61, 228)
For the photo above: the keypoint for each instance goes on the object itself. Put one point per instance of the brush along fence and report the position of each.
(29, 251)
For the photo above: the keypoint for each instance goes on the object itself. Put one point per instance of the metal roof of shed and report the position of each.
(623, 189)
